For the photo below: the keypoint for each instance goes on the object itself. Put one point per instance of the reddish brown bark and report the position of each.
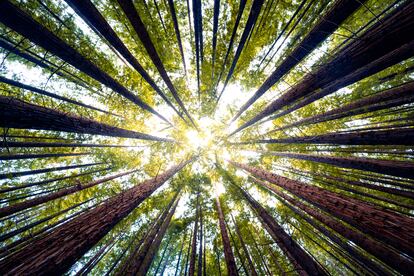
(392, 228)
(55, 253)
(19, 114)
(8, 210)
(228, 252)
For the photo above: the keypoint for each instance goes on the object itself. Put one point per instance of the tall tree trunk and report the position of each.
(396, 96)
(54, 169)
(190, 240)
(243, 244)
(55, 253)
(8, 144)
(139, 27)
(177, 32)
(191, 269)
(388, 167)
(340, 11)
(200, 248)
(40, 155)
(216, 13)
(18, 114)
(8, 210)
(91, 15)
(397, 136)
(228, 253)
(164, 252)
(392, 228)
(254, 13)
(52, 95)
(303, 263)
(143, 269)
(384, 37)
(383, 253)
(19, 21)
(177, 267)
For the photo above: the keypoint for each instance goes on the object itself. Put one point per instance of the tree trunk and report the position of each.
(388, 167)
(55, 253)
(392, 228)
(243, 244)
(177, 267)
(200, 248)
(228, 253)
(18, 114)
(254, 13)
(340, 11)
(389, 98)
(8, 210)
(188, 253)
(303, 263)
(40, 155)
(52, 95)
(19, 21)
(143, 269)
(8, 144)
(177, 32)
(216, 13)
(191, 269)
(397, 136)
(139, 27)
(54, 169)
(384, 37)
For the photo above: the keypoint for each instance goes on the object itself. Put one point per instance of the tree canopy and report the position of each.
(250, 137)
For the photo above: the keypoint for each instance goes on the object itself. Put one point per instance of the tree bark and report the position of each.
(340, 11)
(228, 253)
(388, 167)
(55, 253)
(8, 210)
(18, 114)
(19, 21)
(7, 144)
(40, 155)
(393, 228)
(54, 169)
(191, 269)
(216, 12)
(177, 32)
(177, 267)
(384, 37)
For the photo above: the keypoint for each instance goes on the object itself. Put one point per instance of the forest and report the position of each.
(207, 137)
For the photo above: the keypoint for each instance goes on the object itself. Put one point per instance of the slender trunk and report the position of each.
(8, 210)
(159, 15)
(18, 114)
(139, 27)
(389, 167)
(237, 250)
(377, 249)
(200, 248)
(339, 12)
(303, 263)
(397, 136)
(228, 253)
(19, 21)
(91, 15)
(191, 269)
(382, 38)
(177, 32)
(177, 266)
(8, 144)
(68, 242)
(54, 169)
(143, 269)
(216, 13)
(52, 95)
(246, 251)
(393, 228)
(40, 155)
(43, 182)
(254, 13)
(163, 256)
(188, 253)
(389, 98)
